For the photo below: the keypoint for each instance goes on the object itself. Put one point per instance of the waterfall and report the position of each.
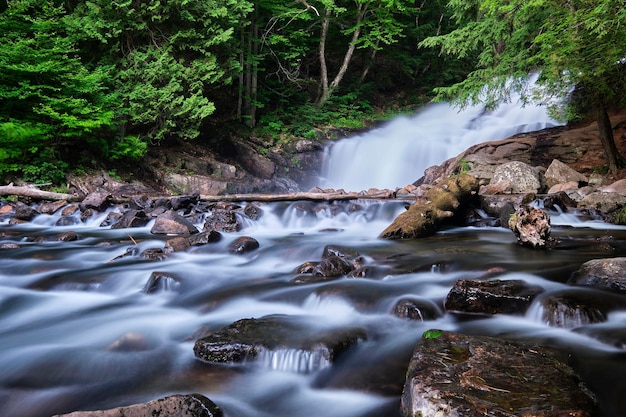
(397, 153)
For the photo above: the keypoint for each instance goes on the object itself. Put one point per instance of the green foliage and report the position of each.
(568, 43)
(47, 96)
(166, 56)
(432, 334)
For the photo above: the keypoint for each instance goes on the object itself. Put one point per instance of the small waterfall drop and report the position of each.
(397, 153)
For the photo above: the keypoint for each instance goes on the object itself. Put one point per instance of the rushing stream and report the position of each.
(79, 330)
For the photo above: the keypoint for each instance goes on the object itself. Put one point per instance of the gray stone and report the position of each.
(192, 405)
(172, 223)
(522, 176)
(491, 297)
(558, 173)
(605, 202)
(248, 338)
(604, 274)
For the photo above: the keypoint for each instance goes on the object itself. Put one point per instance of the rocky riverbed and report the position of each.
(441, 295)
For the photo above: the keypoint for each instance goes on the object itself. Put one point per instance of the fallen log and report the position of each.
(310, 196)
(36, 193)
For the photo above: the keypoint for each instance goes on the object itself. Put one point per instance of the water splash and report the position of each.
(294, 360)
(398, 153)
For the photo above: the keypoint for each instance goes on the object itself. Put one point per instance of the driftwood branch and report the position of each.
(33, 192)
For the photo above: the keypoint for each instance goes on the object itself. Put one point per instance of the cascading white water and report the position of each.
(397, 153)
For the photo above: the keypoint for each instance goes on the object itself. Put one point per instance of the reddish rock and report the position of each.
(456, 375)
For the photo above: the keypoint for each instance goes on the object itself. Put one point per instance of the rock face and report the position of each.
(436, 207)
(531, 227)
(491, 297)
(455, 375)
(604, 274)
(249, 338)
(193, 405)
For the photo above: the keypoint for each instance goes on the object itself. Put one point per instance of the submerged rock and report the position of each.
(456, 375)
(243, 244)
(250, 338)
(416, 309)
(575, 307)
(191, 405)
(491, 297)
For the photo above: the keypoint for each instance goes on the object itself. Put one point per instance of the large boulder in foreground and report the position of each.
(249, 339)
(193, 405)
(439, 205)
(456, 375)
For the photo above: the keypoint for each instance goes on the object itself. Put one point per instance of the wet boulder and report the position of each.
(183, 243)
(577, 307)
(131, 218)
(243, 244)
(603, 274)
(248, 339)
(332, 266)
(172, 223)
(190, 405)
(68, 236)
(97, 200)
(531, 227)
(161, 281)
(24, 212)
(222, 220)
(416, 309)
(607, 203)
(457, 375)
(437, 207)
(491, 297)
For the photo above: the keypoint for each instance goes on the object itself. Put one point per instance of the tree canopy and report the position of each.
(572, 44)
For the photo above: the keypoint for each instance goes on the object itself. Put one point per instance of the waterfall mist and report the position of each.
(397, 153)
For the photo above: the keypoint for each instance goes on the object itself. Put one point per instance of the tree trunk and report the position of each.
(613, 158)
(326, 89)
(322, 51)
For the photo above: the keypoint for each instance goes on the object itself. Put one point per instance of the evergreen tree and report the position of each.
(48, 98)
(167, 55)
(574, 43)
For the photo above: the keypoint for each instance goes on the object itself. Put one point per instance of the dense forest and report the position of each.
(107, 79)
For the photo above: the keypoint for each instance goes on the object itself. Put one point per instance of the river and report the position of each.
(79, 331)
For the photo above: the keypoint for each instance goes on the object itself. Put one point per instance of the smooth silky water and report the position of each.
(78, 331)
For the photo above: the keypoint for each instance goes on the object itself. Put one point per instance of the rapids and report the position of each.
(78, 331)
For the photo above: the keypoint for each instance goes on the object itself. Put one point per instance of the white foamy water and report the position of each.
(397, 153)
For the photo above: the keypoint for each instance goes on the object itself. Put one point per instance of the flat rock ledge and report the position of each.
(248, 339)
(456, 375)
(192, 405)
